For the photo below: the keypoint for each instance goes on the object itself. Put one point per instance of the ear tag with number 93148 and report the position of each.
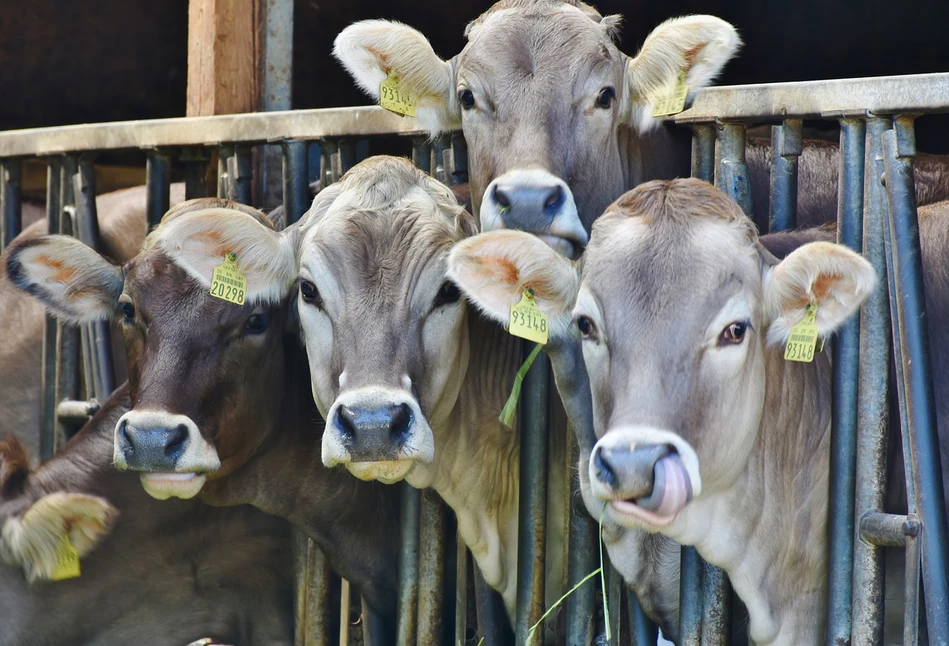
(802, 339)
(395, 98)
(67, 561)
(674, 103)
(527, 321)
(227, 282)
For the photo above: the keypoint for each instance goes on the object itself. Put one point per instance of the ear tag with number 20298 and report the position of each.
(802, 339)
(227, 282)
(395, 98)
(527, 321)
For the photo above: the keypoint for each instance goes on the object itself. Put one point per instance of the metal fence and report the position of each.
(875, 217)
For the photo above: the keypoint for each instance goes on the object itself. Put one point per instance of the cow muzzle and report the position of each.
(377, 434)
(537, 202)
(646, 476)
(168, 449)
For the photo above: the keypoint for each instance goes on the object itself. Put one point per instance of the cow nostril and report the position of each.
(604, 472)
(346, 422)
(555, 199)
(501, 198)
(123, 436)
(176, 441)
(401, 423)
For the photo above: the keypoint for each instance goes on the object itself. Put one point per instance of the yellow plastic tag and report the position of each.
(527, 321)
(67, 561)
(227, 282)
(674, 104)
(802, 340)
(394, 98)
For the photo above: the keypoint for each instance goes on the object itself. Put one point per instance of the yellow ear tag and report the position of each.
(67, 561)
(227, 281)
(527, 321)
(803, 338)
(394, 98)
(675, 103)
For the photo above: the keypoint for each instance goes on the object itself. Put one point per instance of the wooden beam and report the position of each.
(223, 46)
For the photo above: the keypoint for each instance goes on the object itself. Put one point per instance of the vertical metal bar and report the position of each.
(732, 172)
(786, 145)
(441, 159)
(224, 154)
(409, 566)
(11, 176)
(422, 155)
(157, 187)
(462, 559)
(345, 603)
(911, 592)
(691, 594)
(196, 162)
(347, 155)
(239, 174)
(296, 191)
(582, 554)
(328, 149)
(643, 631)
(843, 439)
(899, 149)
(459, 159)
(48, 436)
(68, 377)
(532, 508)
(311, 592)
(703, 153)
(716, 615)
(614, 600)
(84, 189)
(431, 570)
(492, 616)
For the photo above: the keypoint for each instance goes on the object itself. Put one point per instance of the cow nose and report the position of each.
(374, 434)
(629, 473)
(528, 207)
(152, 448)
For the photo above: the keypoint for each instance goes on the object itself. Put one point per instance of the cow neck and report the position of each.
(476, 468)
(777, 509)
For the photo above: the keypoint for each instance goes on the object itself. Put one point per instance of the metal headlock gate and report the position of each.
(876, 217)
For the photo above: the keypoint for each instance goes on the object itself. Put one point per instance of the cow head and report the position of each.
(193, 396)
(557, 118)
(384, 329)
(681, 310)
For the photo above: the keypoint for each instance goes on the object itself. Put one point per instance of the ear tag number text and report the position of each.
(802, 341)
(67, 561)
(675, 103)
(527, 321)
(227, 282)
(395, 98)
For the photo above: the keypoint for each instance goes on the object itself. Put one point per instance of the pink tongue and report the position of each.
(677, 491)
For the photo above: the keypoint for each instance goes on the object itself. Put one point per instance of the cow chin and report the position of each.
(643, 476)
(388, 472)
(163, 486)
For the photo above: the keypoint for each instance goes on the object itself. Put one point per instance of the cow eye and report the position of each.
(466, 99)
(257, 323)
(605, 98)
(448, 293)
(128, 310)
(734, 333)
(310, 294)
(587, 327)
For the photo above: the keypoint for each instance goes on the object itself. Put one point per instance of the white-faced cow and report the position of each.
(705, 432)
(165, 573)
(220, 391)
(558, 120)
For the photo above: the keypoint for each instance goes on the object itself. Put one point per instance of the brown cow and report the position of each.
(162, 573)
(220, 391)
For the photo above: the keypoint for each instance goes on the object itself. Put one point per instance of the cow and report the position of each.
(220, 391)
(165, 573)
(122, 229)
(559, 122)
(704, 432)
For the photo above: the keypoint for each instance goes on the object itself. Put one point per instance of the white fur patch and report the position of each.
(32, 542)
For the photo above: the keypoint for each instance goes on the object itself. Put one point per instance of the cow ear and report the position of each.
(371, 49)
(493, 269)
(829, 276)
(71, 279)
(201, 241)
(697, 45)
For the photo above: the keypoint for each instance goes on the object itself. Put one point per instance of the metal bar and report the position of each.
(68, 344)
(48, 435)
(642, 631)
(690, 597)
(441, 159)
(731, 173)
(911, 592)
(11, 176)
(422, 154)
(327, 152)
(276, 72)
(716, 615)
(311, 593)
(492, 616)
(787, 142)
(844, 392)
(899, 149)
(345, 603)
(888, 530)
(431, 570)
(703, 152)
(614, 600)
(409, 566)
(347, 155)
(532, 506)
(157, 187)
(582, 551)
(829, 99)
(459, 159)
(861, 148)
(84, 189)
(224, 154)
(296, 191)
(240, 175)
(462, 559)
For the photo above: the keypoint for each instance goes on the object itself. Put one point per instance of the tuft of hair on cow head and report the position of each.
(824, 275)
(698, 46)
(77, 284)
(493, 269)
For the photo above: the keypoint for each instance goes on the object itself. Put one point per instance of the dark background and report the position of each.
(71, 62)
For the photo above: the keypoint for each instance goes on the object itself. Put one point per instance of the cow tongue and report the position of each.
(671, 488)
